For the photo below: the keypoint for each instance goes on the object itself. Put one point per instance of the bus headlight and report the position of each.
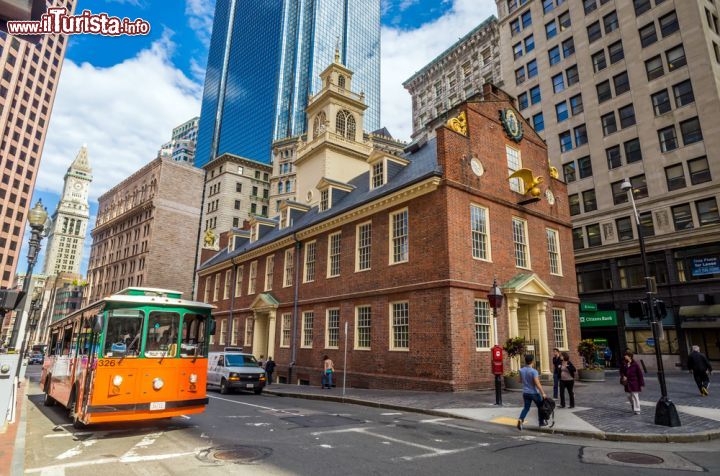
(193, 378)
(158, 383)
(117, 380)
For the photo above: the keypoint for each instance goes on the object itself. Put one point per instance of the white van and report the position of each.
(232, 369)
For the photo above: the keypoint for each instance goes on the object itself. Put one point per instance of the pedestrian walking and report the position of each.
(556, 360)
(607, 354)
(631, 377)
(269, 369)
(532, 392)
(699, 367)
(327, 375)
(567, 380)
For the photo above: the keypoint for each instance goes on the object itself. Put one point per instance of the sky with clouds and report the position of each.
(122, 96)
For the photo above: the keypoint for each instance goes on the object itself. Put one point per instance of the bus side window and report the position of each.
(67, 341)
(53, 343)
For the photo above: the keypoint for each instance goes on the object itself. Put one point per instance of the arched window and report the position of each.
(318, 125)
(345, 124)
(341, 81)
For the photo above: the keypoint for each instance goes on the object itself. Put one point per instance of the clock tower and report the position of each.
(70, 220)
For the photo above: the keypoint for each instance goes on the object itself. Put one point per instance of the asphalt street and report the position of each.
(251, 434)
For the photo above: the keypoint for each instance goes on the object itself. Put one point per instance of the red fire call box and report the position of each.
(497, 360)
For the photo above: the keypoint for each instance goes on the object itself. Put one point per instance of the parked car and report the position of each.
(232, 369)
(35, 358)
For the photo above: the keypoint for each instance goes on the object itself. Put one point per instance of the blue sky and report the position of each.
(121, 96)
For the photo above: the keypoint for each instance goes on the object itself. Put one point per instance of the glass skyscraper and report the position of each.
(266, 57)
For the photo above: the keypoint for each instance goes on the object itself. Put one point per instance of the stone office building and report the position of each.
(403, 250)
(630, 89)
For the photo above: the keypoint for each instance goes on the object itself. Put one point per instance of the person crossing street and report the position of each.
(699, 367)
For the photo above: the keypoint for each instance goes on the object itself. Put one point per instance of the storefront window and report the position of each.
(632, 273)
(637, 341)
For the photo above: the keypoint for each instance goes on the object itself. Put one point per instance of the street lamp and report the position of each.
(37, 218)
(665, 412)
(495, 297)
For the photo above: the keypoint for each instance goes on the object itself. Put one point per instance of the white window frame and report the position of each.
(359, 246)
(289, 267)
(392, 237)
(374, 174)
(223, 332)
(206, 296)
(356, 343)
(304, 330)
(558, 315)
(331, 254)
(391, 321)
(238, 281)
(556, 237)
(512, 153)
(228, 284)
(216, 287)
(327, 328)
(325, 200)
(269, 272)
(252, 278)
(285, 329)
(480, 234)
(249, 329)
(526, 244)
(489, 325)
(309, 266)
(235, 331)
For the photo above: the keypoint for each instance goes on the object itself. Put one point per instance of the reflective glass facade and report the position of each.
(261, 70)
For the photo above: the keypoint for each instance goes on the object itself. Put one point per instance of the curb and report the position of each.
(597, 435)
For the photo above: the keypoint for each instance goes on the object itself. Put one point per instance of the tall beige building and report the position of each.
(629, 89)
(145, 226)
(30, 75)
(236, 189)
(457, 74)
(66, 237)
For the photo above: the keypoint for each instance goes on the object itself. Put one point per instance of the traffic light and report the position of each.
(640, 309)
(9, 299)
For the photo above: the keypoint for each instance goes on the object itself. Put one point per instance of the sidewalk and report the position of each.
(9, 437)
(602, 410)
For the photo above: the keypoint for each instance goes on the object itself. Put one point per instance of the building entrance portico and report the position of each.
(264, 309)
(527, 304)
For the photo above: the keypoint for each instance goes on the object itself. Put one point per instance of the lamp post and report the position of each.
(35, 306)
(495, 297)
(665, 411)
(37, 218)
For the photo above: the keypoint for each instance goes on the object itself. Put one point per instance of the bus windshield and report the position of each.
(162, 334)
(192, 342)
(236, 360)
(124, 332)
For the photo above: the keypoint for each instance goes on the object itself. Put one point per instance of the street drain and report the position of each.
(635, 458)
(234, 454)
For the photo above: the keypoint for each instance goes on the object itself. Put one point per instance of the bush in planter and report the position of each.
(592, 372)
(514, 348)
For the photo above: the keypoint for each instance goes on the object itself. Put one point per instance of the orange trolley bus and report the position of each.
(139, 354)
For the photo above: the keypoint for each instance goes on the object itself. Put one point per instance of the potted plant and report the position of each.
(514, 348)
(592, 372)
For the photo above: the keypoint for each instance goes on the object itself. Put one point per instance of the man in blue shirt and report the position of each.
(532, 391)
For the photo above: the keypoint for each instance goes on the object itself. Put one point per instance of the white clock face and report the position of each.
(77, 186)
(477, 167)
(550, 197)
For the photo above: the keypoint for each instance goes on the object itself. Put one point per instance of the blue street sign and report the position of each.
(650, 341)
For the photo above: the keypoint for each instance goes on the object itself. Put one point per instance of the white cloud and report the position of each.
(406, 51)
(123, 112)
(200, 18)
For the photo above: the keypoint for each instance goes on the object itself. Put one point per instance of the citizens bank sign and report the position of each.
(598, 319)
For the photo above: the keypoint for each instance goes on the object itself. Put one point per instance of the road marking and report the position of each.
(450, 425)
(434, 420)
(185, 417)
(53, 472)
(391, 413)
(277, 410)
(132, 459)
(77, 450)
(67, 434)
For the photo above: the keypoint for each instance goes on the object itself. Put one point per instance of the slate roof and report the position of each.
(382, 132)
(423, 164)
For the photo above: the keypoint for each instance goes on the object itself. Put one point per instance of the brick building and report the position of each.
(146, 231)
(404, 250)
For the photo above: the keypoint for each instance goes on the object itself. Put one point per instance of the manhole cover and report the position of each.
(234, 454)
(635, 458)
